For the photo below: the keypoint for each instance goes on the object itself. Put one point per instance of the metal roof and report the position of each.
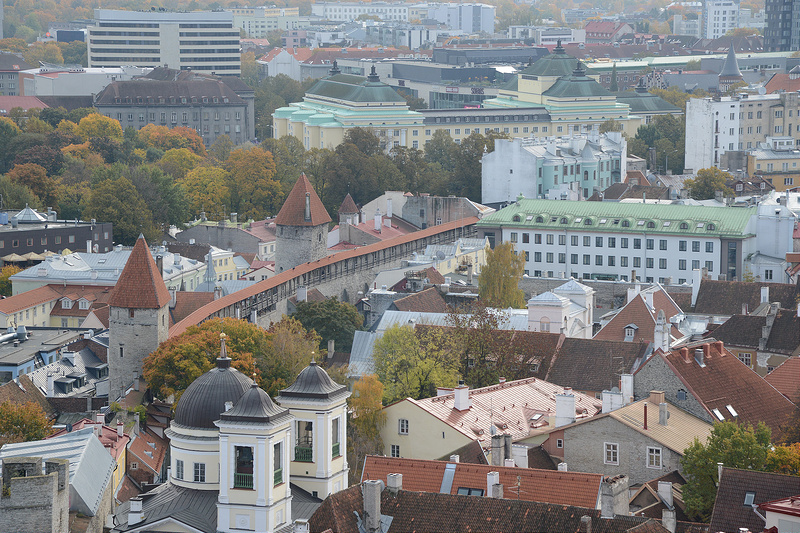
(354, 89)
(361, 361)
(623, 217)
(313, 383)
(577, 85)
(90, 464)
(255, 405)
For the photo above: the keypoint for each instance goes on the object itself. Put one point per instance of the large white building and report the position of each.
(654, 242)
(204, 41)
(720, 17)
(71, 80)
(347, 11)
(471, 18)
(718, 125)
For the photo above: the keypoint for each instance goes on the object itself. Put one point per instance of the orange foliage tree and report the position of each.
(21, 423)
(165, 138)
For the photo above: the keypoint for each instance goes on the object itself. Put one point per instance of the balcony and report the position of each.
(278, 476)
(242, 481)
(335, 450)
(303, 454)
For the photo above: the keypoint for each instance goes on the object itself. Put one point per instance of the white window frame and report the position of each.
(402, 426)
(611, 448)
(654, 453)
(199, 471)
(559, 443)
(178, 469)
(395, 450)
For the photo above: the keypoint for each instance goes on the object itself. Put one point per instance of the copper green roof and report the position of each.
(354, 89)
(576, 85)
(623, 217)
(646, 103)
(559, 63)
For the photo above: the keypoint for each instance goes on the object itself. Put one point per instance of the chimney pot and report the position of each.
(663, 413)
(301, 526)
(699, 355)
(645, 415)
(510, 463)
(497, 491)
(394, 482)
(372, 505)
(668, 519)
(461, 397)
(586, 524)
(492, 479)
(656, 397)
(562, 467)
(120, 428)
(455, 458)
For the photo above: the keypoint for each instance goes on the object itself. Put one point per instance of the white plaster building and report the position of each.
(719, 17)
(347, 11)
(567, 309)
(64, 80)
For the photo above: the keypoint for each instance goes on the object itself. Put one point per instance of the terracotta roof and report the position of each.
(263, 229)
(293, 211)
(723, 380)
(427, 301)
(108, 436)
(509, 406)
(343, 245)
(149, 449)
(257, 288)
(7, 103)
(23, 391)
(594, 364)
(444, 513)
(102, 314)
(643, 316)
(313, 295)
(395, 229)
(550, 486)
(726, 297)
(127, 490)
(730, 513)
(469, 453)
(782, 82)
(140, 286)
(433, 275)
(786, 378)
(28, 299)
(348, 206)
(187, 303)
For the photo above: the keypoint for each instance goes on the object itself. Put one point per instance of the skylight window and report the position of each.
(749, 498)
(732, 411)
(603, 221)
(718, 414)
(616, 221)
(529, 218)
(700, 224)
(640, 223)
(578, 220)
(536, 417)
(667, 223)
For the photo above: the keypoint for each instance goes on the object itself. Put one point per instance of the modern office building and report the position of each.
(720, 17)
(782, 32)
(612, 241)
(347, 11)
(204, 41)
(258, 21)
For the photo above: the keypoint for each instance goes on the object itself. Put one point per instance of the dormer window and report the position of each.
(739, 187)
(630, 332)
(539, 220)
(651, 225)
(66, 303)
(83, 304)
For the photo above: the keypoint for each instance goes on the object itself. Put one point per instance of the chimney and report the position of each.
(497, 491)
(509, 463)
(665, 493)
(492, 479)
(455, 458)
(89, 246)
(302, 294)
(648, 297)
(668, 519)
(507, 452)
(663, 413)
(301, 526)
(51, 383)
(469, 282)
(461, 395)
(173, 297)
(99, 418)
(698, 356)
(764, 295)
(120, 428)
(697, 277)
(614, 497)
(331, 344)
(611, 400)
(744, 308)
(586, 524)
(136, 380)
(235, 218)
(626, 387)
(501, 380)
(562, 467)
(394, 482)
(372, 505)
(135, 511)
(498, 451)
(307, 213)
(217, 292)
(719, 472)
(645, 415)
(656, 397)
(565, 408)
(389, 207)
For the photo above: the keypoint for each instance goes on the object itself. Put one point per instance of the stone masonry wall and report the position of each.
(656, 375)
(35, 504)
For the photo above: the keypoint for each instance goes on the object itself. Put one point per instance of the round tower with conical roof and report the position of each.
(138, 318)
(730, 73)
(301, 228)
(319, 456)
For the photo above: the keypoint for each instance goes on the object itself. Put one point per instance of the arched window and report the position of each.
(563, 220)
(651, 225)
(684, 225)
(711, 227)
(539, 220)
(515, 218)
(587, 222)
(626, 223)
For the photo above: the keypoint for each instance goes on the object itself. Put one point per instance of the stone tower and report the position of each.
(348, 212)
(138, 319)
(302, 228)
(730, 73)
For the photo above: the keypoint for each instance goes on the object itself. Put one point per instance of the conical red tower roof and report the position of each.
(140, 286)
(348, 206)
(294, 212)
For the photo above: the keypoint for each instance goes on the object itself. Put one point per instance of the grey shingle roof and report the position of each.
(313, 383)
(255, 405)
(195, 508)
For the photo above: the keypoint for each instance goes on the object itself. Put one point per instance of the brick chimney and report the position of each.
(372, 505)
(614, 497)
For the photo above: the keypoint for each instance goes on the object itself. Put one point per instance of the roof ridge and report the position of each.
(302, 206)
(140, 285)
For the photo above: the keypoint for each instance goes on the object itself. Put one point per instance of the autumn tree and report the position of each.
(499, 278)
(330, 319)
(412, 364)
(15, 195)
(23, 422)
(48, 157)
(5, 284)
(784, 459)
(163, 195)
(289, 350)
(165, 138)
(45, 52)
(117, 201)
(735, 446)
(178, 162)
(96, 125)
(207, 189)
(254, 192)
(707, 182)
(221, 148)
(365, 422)
(180, 360)
(36, 179)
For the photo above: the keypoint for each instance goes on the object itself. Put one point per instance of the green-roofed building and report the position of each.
(654, 242)
(646, 104)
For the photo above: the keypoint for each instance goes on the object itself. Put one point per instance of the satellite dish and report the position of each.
(69, 428)
(762, 90)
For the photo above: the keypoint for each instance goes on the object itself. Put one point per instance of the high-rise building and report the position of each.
(783, 25)
(204, 41)
(719, 17)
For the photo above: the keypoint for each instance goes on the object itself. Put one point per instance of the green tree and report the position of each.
(410, 366)
(207, 191)
(707, 182)
(118, 201)
(74, 53)
(330, 319)
(610, 125)
(163, 195)
(732, 444)
(5, 284)
(365, 422)
(499, 278)
(23, 422)
(16, 195)
(289, 350)
(415, 103)
(182, 359)
(614, 85)
(442, 149)
(693, 64)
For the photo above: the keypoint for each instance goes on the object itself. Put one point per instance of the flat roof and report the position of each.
(39, 340)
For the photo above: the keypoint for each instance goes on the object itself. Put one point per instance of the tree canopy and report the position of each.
(499, 278)
(23, 422)
(330, 319)
(707, 182)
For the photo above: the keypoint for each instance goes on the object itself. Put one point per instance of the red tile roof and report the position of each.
(638, 312)
(140, 286)
(149, 449)
(782, 82)
(127, 490)
(529, 484)
(427, 301)
(293, 211)
(28, 299)
(7, 103)
(786, 378)
(723, 381)
(348, 206)
(108, 436)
